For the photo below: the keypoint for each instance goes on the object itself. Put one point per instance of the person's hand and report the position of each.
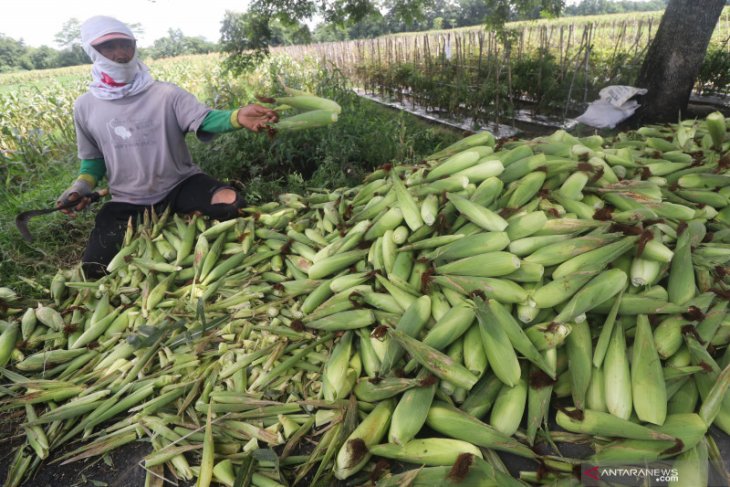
(79, 191)
(256, 117)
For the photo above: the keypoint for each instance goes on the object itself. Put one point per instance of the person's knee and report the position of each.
(93, 270)
(224, 204)
(225, 196)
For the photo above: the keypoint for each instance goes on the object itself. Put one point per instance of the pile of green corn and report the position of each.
(403, 331)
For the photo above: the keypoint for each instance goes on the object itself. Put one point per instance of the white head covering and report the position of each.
(112, 80)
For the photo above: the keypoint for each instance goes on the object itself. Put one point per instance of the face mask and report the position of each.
(112, 80)
(112, 73)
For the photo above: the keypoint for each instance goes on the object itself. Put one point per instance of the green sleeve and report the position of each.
(96, 168)
(219, 121)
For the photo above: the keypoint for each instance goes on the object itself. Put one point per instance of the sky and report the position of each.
(38, 21)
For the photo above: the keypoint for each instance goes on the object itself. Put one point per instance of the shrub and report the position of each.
(714, 76)
(365, 136)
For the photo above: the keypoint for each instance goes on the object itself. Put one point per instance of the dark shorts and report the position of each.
(193, 194)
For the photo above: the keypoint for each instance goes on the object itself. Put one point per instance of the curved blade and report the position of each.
(21, 220)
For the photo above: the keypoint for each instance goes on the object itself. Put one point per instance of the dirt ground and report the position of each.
(122, 466)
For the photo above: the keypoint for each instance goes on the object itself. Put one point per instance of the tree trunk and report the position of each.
(675, 58)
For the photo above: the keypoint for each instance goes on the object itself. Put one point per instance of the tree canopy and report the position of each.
(177, 44)
(10, 51)
(70, 33)
(359, 19)
(247, 36)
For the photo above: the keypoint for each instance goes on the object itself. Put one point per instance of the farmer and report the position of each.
(131, 129)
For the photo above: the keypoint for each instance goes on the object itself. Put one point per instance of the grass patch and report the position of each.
(58, 240)
(366, 135)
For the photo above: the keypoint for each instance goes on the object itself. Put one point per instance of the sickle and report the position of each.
(21, 221)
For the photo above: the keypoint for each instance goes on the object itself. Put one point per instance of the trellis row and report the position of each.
(468, 58)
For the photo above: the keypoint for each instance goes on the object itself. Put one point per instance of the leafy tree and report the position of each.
(329, 33)
(177, 44)
(15, 55)
(71, 56)
(502, 11)
(43, 57)
(198, 45)
(436, 14)
(245, 37)
(324, 32)
(69, 39)
(287, 33)
(70, 33)
(10, 53)
(472, 12)
(373, 25)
